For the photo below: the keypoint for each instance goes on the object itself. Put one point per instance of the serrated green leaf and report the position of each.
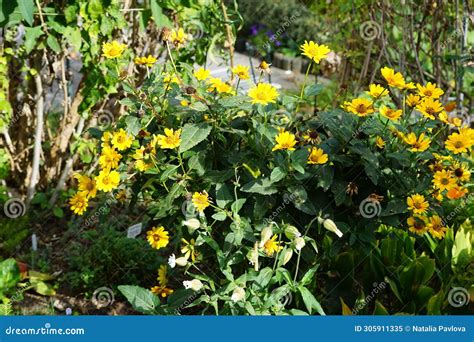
(192, 135)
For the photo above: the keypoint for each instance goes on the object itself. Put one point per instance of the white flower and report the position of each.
(181, 261)
(330, 225)
(299, 243)
(194, 284)
(266, 235)
(172, 261)
(238, 294)
(192, 224)
(292, 232)
(252, 255)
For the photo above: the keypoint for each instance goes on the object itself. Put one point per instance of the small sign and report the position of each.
(134, 231)
(34, 242)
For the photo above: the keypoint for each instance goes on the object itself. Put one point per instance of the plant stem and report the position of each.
(304, 85)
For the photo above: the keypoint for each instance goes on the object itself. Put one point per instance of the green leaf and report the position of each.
(9, 275)
(380, 309)
(58, 212)
(192, 135)
(277, 174)
(31, 37)
(223, 195)
(44, 289)
(26, 9)
(309, 275)
(157, 13)
(310, 301)
(313, 90)
(141, 299)
(53, 44)
(264, 277)
(219, 216)
(237, 205)
(261, 186)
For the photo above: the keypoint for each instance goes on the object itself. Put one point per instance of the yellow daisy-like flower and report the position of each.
(178, 37)
(113, 49)
(110, 158)
(317, 156)
(148, 61)
(263, 93)
(429, 107)
(361, 107)
(241, 72)
(457, 143)
(184, 103)
(436, 227)
(201, 200)
(468, 133)
(121, 140)
(272, 246)
(444, 180)
(225, 88)
(417, 225)
(79, 203)
(413, 100)
(162, 278)
(376, 91)
(106, 139)
(162, 291)
(314, 51)
(407, 86)
(121, 196)
(140, 163)
(456, 192)
(454, 122)
(419, 144)
(417, 204)
(202, 74)
(379, 142)
(285, 141)
(390, 113)
(189, 249)
(158, 237)
(394, 79)
(461, 172)
(170, 140)
(107, 180)
(86, 186)
(429, 90)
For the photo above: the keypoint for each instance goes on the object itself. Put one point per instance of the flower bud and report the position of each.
(287, 256)
(292, 232)
(266, 235)
(299, 243)
(192, 224)
(194, 284)
(331, 226)
(238, 294)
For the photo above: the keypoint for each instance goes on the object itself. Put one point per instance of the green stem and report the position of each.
(304, 85)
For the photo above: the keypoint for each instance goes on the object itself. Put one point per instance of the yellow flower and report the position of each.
(457, 143)
(113, 50)
(429, 90)
(468, 133)
(168, 79)
(461, 172)
(390, 113)
(241, 72)
(184, 103)
(429, 107)
(86, 186)
(171, 139)
(413, 100)
(140, 162)
(109, 158)
(158, 237)
(444, 117)
(417, 204)
(436, 227)
(162, 278)
(379, 142)
(456, 192)
(417, 225)
(121, 196)
(201, 200)
(285, 141)
(106, 139)
(148, 61)
(178, 37)
(394, 79)
(107, 180)
(263, 93)
(79, 203)
(272, 246)
(405, 86)
(189, 249)
(314, 51)
(317, 156)
(361, 107)
(121, 140)
(202, 74)
(443, 180)
(225, 88)
(419, 144)
(376, 91)
(264, 67)
(162, 291)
